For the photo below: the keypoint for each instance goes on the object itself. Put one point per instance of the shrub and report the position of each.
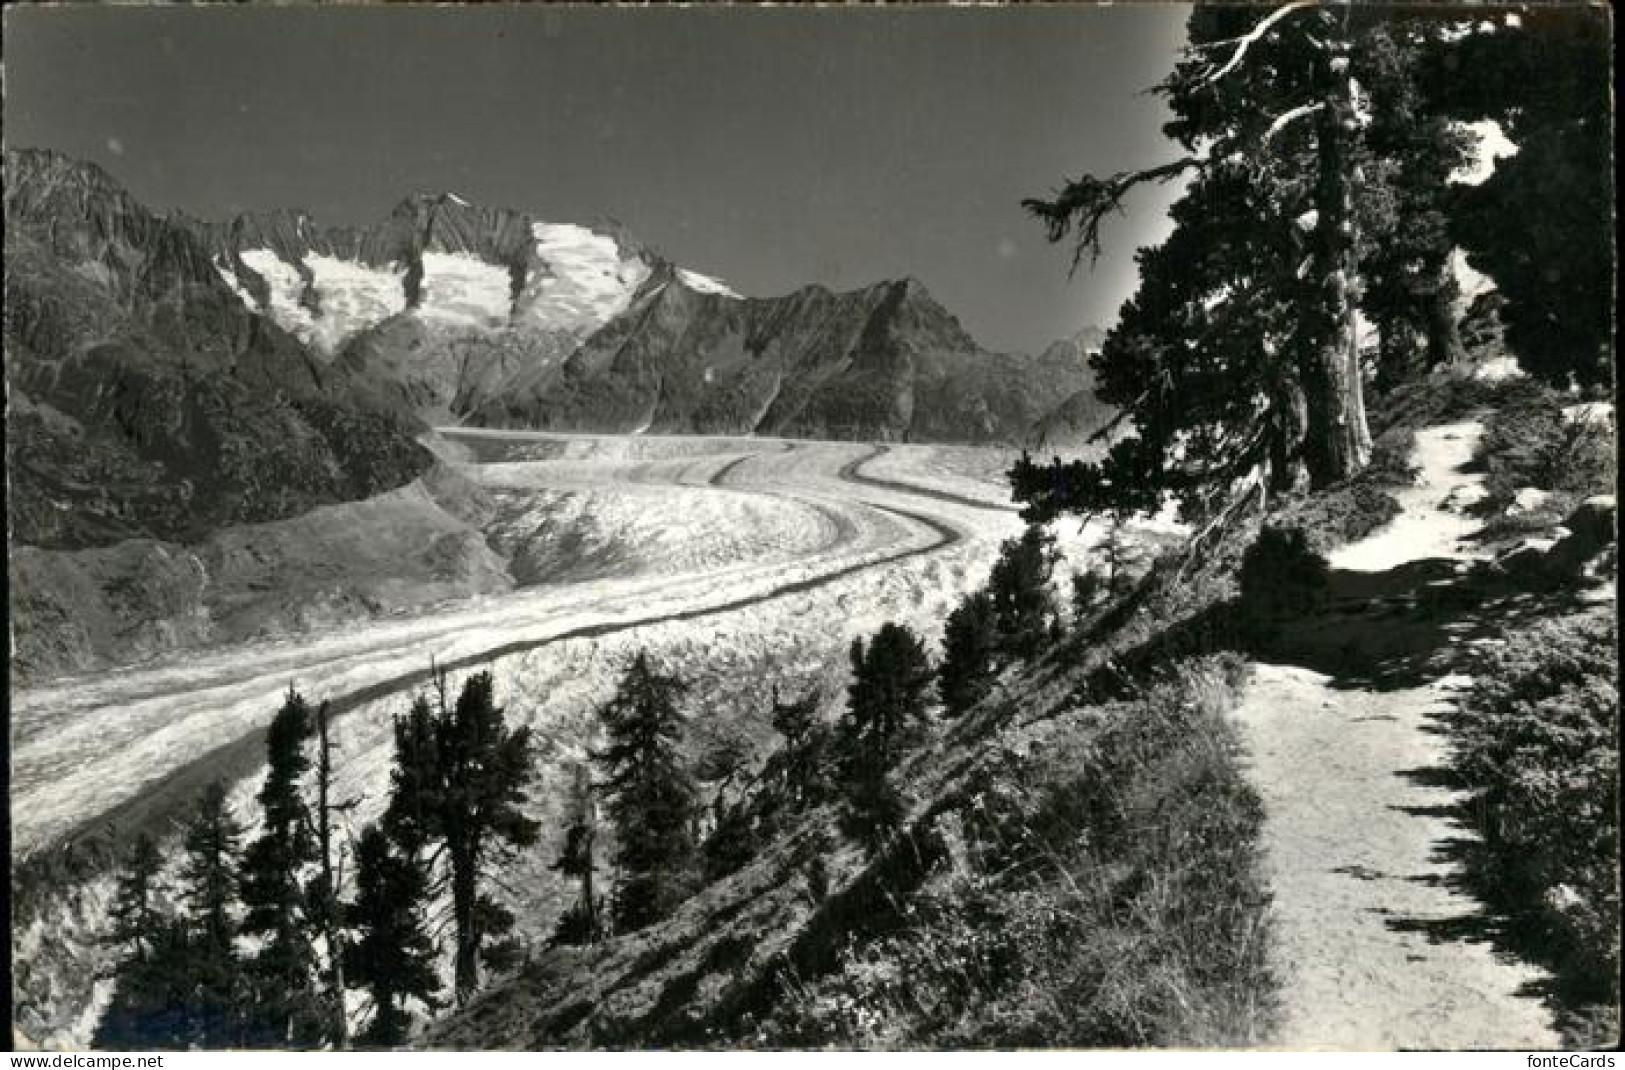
(1282, 575)
(1532, 443)
(1390, 464)
(1109, 894)
(1537, 738)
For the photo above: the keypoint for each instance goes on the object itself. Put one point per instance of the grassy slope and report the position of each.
(1092, 803)
(816, 943)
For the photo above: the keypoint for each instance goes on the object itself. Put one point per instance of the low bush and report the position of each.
(1443, 397)
(1105, 893)
(1532, 443)
(1341, 514)
(1536, 738)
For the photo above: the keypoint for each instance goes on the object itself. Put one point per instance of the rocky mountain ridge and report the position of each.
(145, 399)
(494, 316)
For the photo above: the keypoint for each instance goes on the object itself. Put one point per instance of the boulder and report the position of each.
(1462, 499)
(1527, 500)
(1593, 521)
(1590, 532)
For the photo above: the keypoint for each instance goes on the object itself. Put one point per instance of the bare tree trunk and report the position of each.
(1290, 417)
(1338, 440)
(464, 895)
(1445, 348)
(330, 889)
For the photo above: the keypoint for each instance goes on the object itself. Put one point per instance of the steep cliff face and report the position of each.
(1070, 427)
(146, 399)
(884, 362)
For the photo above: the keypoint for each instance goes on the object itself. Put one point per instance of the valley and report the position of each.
(742, 563)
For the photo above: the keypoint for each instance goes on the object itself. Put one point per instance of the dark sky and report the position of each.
(770, 147)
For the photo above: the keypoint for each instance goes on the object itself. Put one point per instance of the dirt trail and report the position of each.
(1378, 945)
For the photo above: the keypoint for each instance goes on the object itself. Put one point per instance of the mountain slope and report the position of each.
(883, 362)
(146, 400)
(494, 316)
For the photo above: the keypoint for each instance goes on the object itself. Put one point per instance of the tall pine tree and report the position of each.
(209, 879)
(286, 1009)
(460, 781)
(649, 795)
(970, 647)
(1237, 361)
(391, 956)
(578, 861)
(137, 922)
(886, 703)
(150, 989)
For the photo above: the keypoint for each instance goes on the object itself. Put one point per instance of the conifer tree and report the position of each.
(1018, 587)
(460, 780)
(209, 888)
(150, 994)
(649, 795)
(1541, 226)
(970, 645)
(286, 1008)
(392, 955)
(137, 923)
(1410, 290)
(1237, 361)
(153, 995)
(885, 706)
(578, 862)
(322, 893)
(798, 768)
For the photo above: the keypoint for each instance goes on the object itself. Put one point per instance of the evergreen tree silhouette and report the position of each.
(885, 707)
(1022, 603)
(215, 995)
(460, 781)
(648, 794)
(970, 645)
(286, 1009)
(391, 956)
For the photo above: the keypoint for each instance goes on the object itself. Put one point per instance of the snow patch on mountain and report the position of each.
(353, 296)
(704, 284)
(580, 281)
(285, 285)
(464, 291)
(229, 277)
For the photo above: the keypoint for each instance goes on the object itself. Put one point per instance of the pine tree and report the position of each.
(460, 780)
(577, 861)
(1410, 288)
(1541, 226)
(970, 645)
(649, 795)
(799, 768)
(209, 888)
(147, 1010)
(286, 1009)
(392, 955)
(153, 996)
(322, 893)
(886, 704)
(1237, 361)
(1018, 588)
(137, 923)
